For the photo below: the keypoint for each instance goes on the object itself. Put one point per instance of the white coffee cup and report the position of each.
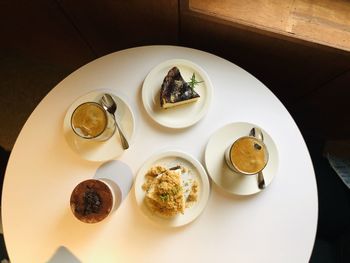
(92, 122)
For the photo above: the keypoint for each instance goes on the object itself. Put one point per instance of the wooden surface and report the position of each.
(325, 22)
(299, 73)
(290, 70)
(108, 26)
(72, 33)
(39, 31)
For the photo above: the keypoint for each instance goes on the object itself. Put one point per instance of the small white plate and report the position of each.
(170, 159)
(220, 173)
(183, 115)
(94, 150)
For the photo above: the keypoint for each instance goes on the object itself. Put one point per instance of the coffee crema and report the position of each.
(89, 120)
(248, 155)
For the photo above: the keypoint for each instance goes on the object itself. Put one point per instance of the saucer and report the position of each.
(97, 150)
(183, 115)
(218, 170)
(169, 159)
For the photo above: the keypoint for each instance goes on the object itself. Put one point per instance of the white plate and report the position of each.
(220, 173)
(180, 116)
(170, 159)
(94, 150)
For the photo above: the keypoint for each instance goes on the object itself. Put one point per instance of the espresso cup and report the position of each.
(247, 155)
(91, 121)
(92, 200)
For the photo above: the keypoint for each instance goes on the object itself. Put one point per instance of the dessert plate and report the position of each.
(220, 173)
(97, 150)
(183, 115)
(169, 159)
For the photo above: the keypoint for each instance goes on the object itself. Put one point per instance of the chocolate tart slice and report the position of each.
(175, 90)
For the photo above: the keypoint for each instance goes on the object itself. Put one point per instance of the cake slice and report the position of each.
(175, 90)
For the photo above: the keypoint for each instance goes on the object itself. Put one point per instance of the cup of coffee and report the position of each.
(247, 155)
(92, 200)
(90, 121)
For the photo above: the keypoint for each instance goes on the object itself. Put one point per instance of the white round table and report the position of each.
(275, 225)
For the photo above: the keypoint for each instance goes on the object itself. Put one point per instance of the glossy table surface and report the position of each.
(275, 225)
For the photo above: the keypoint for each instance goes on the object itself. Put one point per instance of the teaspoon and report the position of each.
(258, 134)
(109, 104)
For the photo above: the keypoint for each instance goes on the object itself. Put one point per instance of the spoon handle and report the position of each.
(261, 181)
(124, 141)
(257, 133)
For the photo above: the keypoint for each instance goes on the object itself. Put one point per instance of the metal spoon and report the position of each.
(109, 104)
(261, 181)
(255, 132)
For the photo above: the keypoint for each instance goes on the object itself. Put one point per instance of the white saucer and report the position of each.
(100, 151)
(170, 159)
(220, 173)
(180, 116)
